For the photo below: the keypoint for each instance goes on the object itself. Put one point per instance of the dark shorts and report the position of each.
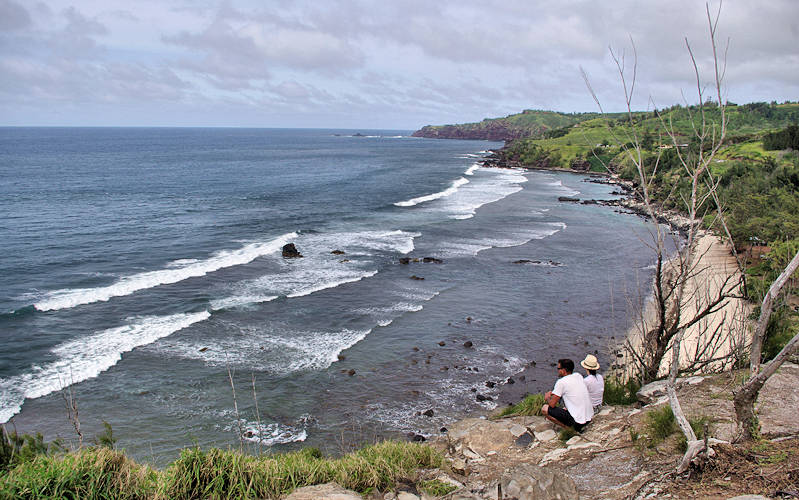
(563, 416)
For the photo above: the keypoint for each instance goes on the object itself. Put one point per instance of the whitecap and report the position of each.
(272, 433)
(64, 299)
(86, 357)
(460, 181)
(471, 170)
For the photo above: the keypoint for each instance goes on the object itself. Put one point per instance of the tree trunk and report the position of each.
(765, 313)
(745, 397)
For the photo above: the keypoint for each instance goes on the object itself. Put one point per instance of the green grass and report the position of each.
(660, 424)
(436, 487)
(698, 426)
(566, 434)
(530, 405)
(96, 473)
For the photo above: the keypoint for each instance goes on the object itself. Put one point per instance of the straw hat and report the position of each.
(590, 363)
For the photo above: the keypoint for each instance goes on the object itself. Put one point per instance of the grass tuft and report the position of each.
(566, 434)
(436, 487)
(91, 473)
(530, 405)
(102, 473)
(660, 424)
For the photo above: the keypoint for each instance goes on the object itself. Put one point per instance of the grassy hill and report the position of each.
(528, 123)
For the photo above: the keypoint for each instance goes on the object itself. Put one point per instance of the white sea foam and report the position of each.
(64, 299)
(471, 170)
(460, 181)
(87, 357)
(240, 301)
(270, 434)
(315, 287)
(274, 349)
(473, 246)
(319, 269)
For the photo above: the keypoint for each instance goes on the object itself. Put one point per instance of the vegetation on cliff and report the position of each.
(528, 123)
(102, 472)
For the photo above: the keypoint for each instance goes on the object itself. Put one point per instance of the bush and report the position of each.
(620, 393)
(16, 449)
(530, 405)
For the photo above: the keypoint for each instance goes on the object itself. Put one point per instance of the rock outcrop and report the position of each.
(290, 251)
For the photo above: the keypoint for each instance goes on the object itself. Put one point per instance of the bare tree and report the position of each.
(680, 303)
(747, 426)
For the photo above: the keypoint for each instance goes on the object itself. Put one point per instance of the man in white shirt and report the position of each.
(571, 388)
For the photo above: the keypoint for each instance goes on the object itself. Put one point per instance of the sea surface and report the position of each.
(141, 274)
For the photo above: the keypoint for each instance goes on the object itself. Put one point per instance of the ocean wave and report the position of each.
(457, 183)
(87, 357)
(277, 350)
(237, 301)
(65, 299)
(316, 287)
(319, 269)
(472, 247)
(471, 170)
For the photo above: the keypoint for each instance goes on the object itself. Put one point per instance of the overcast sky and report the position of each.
(369, 64)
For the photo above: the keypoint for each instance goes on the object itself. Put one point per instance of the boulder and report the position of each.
(433, 260)
(568, 198)
(327, 491)
(337, 252)
(290, 251)
(480, 435)
(468, 344)
(405, 260)
(417, 278)
(530, 482)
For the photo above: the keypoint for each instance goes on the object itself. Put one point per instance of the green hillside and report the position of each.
(528, 123)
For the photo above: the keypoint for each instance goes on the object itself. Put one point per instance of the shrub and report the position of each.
(620, 393)
(16, 449)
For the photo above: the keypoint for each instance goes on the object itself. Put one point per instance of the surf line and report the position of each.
(68, 298)
(460, 181)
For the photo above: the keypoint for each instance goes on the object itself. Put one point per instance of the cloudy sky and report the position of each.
(369, 64)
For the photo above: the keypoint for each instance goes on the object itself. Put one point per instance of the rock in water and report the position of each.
(290, 251)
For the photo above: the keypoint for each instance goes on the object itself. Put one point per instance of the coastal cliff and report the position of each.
(528, 123)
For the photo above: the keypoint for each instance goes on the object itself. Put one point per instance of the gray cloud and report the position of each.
(13, 16)
(340, 61)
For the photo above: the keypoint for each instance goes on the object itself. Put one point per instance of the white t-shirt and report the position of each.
(596, 388)
(572, 390)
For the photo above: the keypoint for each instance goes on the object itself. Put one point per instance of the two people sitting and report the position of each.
(581, 396)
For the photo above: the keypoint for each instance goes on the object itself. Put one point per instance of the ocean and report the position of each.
(141, 271)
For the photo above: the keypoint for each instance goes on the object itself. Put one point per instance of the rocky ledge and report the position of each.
(524, 458)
